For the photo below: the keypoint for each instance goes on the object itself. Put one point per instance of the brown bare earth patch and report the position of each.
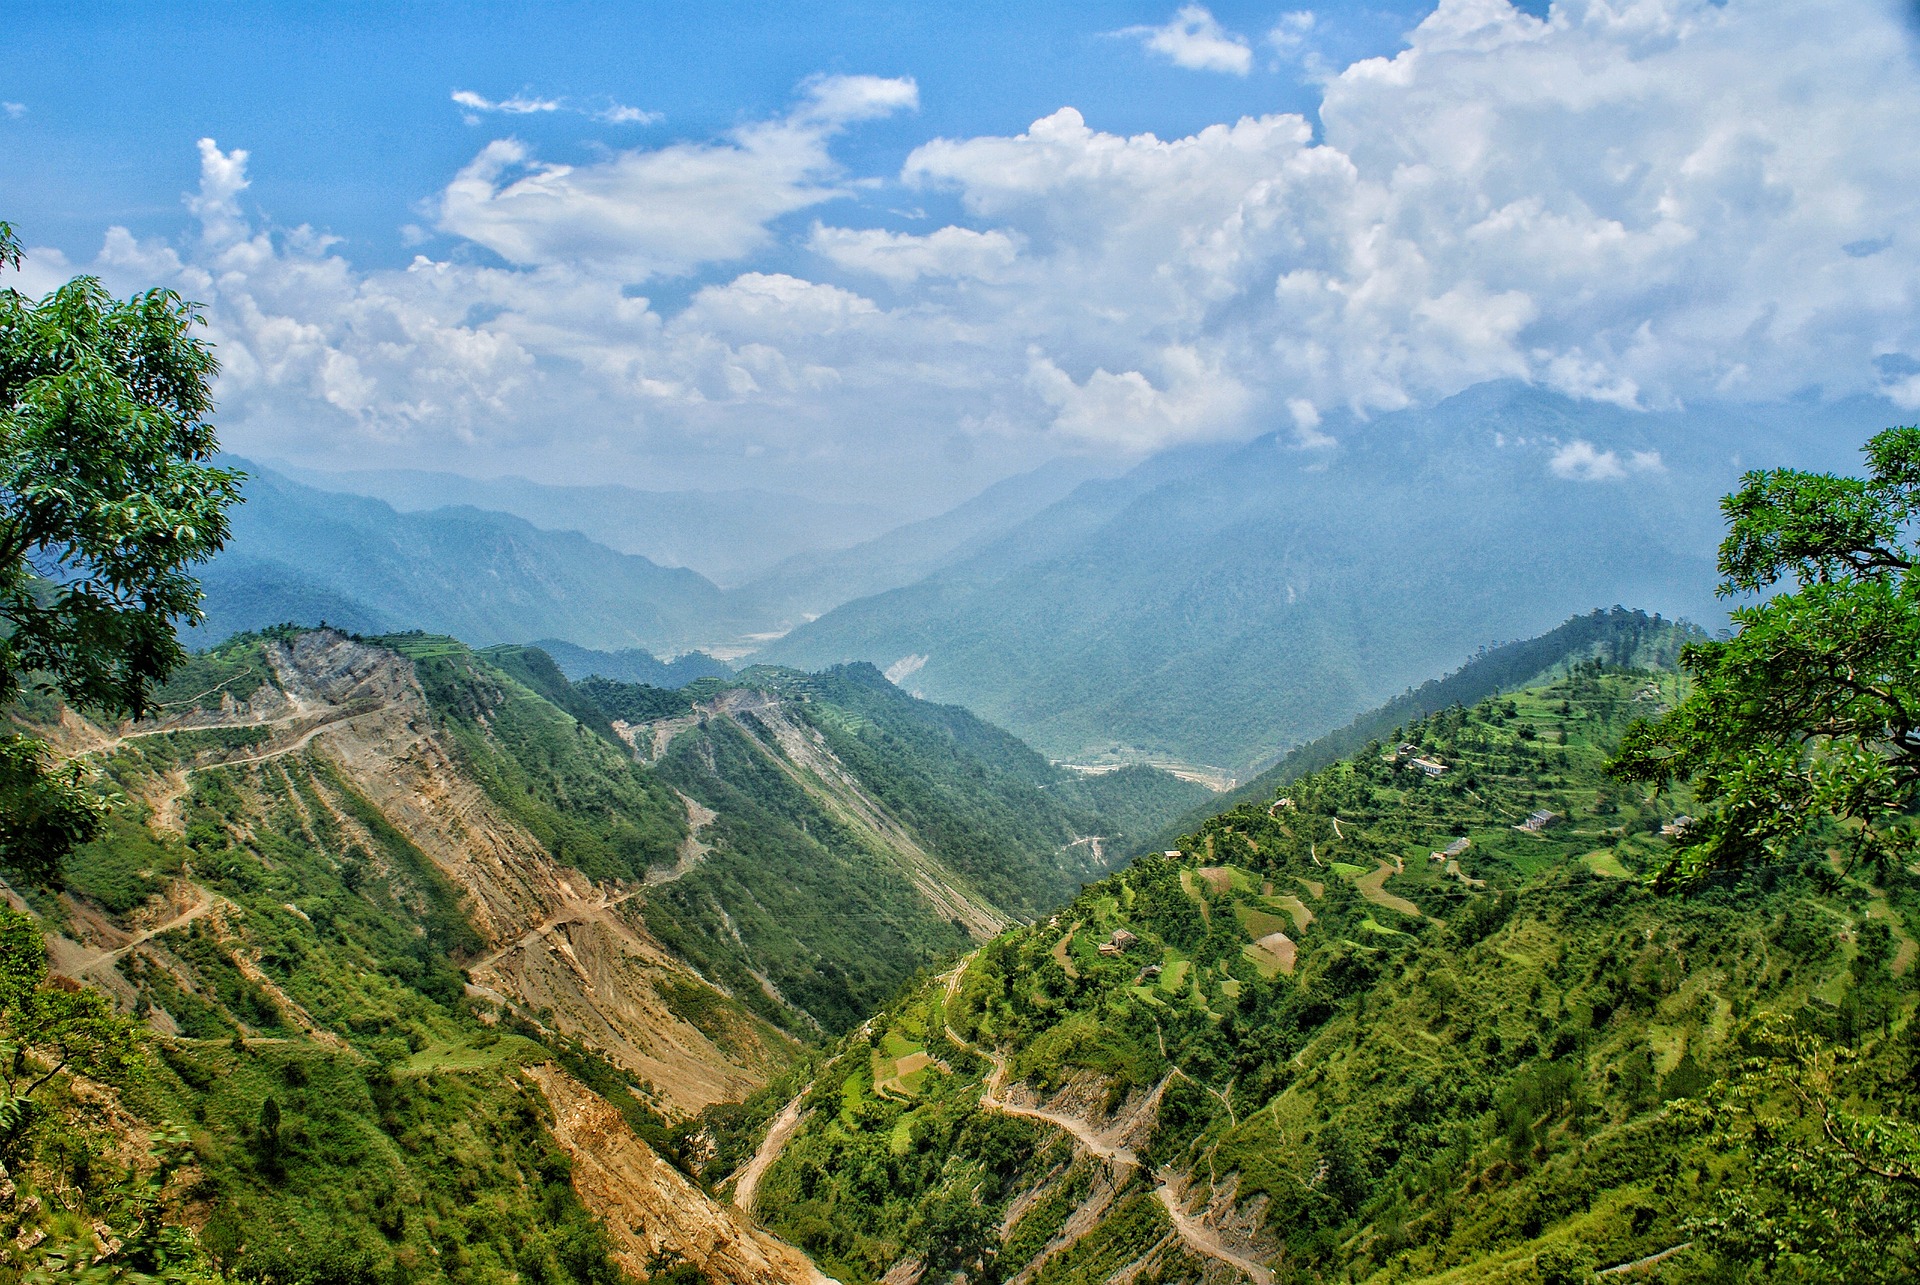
(652, 1209)
(1273, 953)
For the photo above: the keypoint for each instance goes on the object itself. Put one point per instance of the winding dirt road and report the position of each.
(784, 1126)
(1197, 1236)
(74, 960)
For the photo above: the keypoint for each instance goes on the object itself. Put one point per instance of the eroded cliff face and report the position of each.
(558, 948)
(651, 1210)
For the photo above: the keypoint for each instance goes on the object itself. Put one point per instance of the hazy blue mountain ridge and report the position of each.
(1221, 604)
(632, 664)
(808, 584)
(728, 535)
(300, 554)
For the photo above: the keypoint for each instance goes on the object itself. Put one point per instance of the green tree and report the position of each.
(46, 1029)
(108, 495)
(1833, 1194)
(1809, 714)
(1807, 717)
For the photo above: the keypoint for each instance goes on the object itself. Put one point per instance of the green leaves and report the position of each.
(1810, 713)
(1834, 1194)
(108, 493)
(1818, 527)
(44, 813)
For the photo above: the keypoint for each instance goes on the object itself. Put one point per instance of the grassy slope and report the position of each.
(326, 979)
(326, 982)
(1427, 1095)
(823, 915)
(1619, 637)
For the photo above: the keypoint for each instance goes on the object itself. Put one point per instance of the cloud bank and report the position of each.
(1642, 202)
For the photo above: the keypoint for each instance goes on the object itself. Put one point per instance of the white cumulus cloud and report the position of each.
(1193, 38)
(518, 105)
(1582, 461)
(902, 257)
(1643, 204)
(526, 103)
(1196, 400)
(663, 211)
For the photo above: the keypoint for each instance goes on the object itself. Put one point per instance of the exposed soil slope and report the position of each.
(650, 1208)
(557, 945)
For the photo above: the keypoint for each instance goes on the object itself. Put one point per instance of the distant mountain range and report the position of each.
(807, 584)
(1213, 607)
(1220, 604)
(302, 555)
(728, 536)
(632, 665)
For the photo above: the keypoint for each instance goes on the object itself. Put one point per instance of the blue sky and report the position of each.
(870, 248)
(346, 107)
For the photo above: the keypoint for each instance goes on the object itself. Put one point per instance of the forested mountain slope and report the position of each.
(1224, 603)
(632, 664)
(862, 833)
(1620, 637)
(431, 906)
(1413, 1020)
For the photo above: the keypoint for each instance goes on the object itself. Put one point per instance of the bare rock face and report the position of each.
(650, 1208)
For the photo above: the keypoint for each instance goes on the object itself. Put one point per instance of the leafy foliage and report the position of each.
(107, 486)
(1811, 711)
(107, 497)
(45, 812)
(1833, 1194)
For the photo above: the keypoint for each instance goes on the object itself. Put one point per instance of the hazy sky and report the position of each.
(903, 250)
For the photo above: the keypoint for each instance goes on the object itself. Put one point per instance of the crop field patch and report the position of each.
(1221, 879)
(1296, 909)
(1373, 888)
(1273, 954)
(1259, 923)
(1605, 861)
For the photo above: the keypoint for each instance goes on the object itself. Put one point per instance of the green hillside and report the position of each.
(1619, 637)
(1343, 1057)
(339, 1108)
(806, 865)
(351, 892)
